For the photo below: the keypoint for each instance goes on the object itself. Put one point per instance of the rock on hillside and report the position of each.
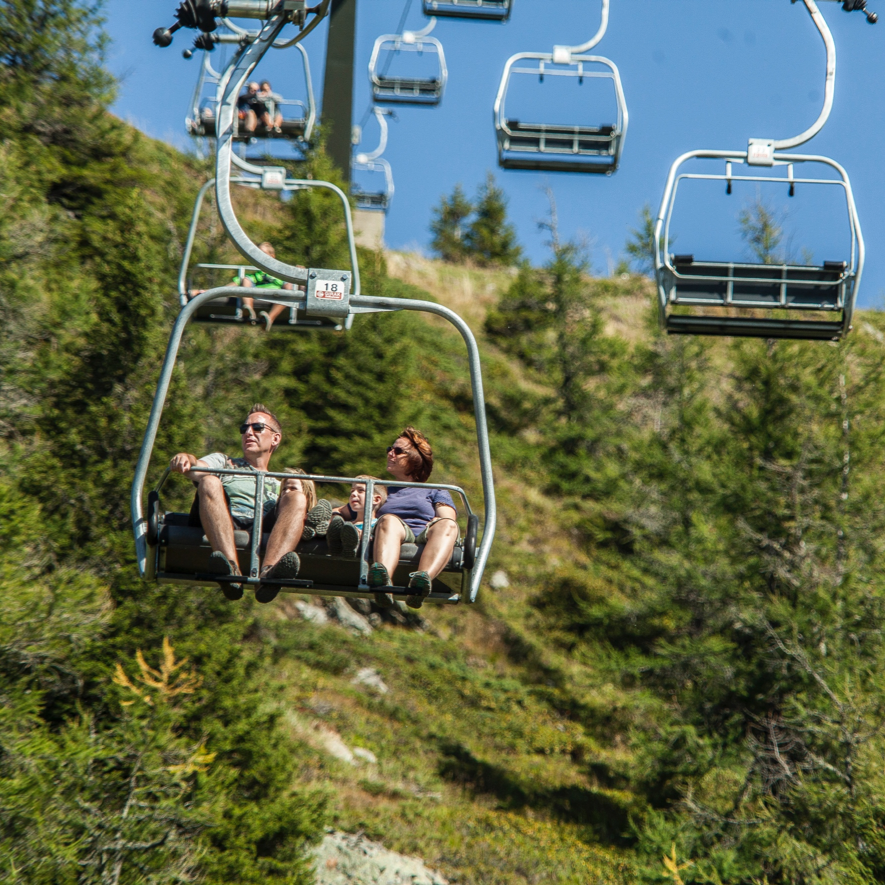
(345, 859)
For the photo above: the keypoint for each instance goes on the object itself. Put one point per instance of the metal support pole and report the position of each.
(338, 86)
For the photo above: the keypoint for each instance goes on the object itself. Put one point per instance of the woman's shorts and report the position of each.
(410, 537)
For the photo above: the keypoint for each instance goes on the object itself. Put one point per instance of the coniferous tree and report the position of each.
(448, 226)
(640, 246)
(490, 238)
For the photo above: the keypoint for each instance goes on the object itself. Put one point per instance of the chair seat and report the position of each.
(184, 551)
(722, 284)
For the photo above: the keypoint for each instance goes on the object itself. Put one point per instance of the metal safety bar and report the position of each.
(357, 304)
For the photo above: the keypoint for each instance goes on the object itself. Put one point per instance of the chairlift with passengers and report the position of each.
(168, 550)
(576, 144)
(373, 164)
(408, 87)
(231, 309)
(493, 10)
(699, 296)
(299, 117)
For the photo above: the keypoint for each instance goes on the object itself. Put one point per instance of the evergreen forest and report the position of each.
(675, 676)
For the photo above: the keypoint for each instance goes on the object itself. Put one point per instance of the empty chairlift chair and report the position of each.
(374, 165)
(585, 145)
(771, 298)
(494, 10)
(408, 87)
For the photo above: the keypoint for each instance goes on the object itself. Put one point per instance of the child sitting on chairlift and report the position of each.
(346, 527)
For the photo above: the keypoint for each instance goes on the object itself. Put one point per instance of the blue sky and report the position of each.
(696, 74)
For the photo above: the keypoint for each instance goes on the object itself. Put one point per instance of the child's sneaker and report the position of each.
(350, 538)
(333, 535)
(317, 521)
(419, 582)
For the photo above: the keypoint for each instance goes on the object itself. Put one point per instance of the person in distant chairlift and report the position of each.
(261, 280)
(226, 503)
(258, 279)
(271, 101)
(246, 108)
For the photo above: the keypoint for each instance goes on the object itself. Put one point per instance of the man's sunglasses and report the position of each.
(258, 427)
(397, 450)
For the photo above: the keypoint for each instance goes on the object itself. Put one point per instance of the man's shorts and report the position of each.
(244, 525)
(422, 538)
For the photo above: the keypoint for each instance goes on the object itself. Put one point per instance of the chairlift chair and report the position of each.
(373, 162)
(166, 554)
(494, 10)
(388, 88)
(178, 551)
(230, 309)
(299, 117)
(558, 147)
(698, 296)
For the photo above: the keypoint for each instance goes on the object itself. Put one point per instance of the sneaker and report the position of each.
(278, 130)
(268, 322)
(317, 522)
(378, 576)
(419, 582)
(219, 564)
(286, 568)
(350, 537)
(333, 535)
(250, 314)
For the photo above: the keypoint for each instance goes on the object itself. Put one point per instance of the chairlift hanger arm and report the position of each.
(202, 14)
(229, 89)
(562, 54)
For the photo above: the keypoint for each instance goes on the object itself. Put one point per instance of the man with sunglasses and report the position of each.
(228, 502)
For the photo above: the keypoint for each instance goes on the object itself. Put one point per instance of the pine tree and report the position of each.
(448, 226)
(490, 238)
(640, 246)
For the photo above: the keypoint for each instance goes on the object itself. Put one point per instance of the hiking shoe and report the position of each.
(268, 322)
(350, 537)
(287, 567)
(378, 576)
(419, 582)
(333, 535)
(317, 522)
(219, 564)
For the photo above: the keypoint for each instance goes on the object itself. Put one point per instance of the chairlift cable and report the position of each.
(399, 29)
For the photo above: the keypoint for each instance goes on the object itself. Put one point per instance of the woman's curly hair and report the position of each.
(421, 456)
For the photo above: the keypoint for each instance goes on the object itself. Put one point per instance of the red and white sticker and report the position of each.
(330, 290)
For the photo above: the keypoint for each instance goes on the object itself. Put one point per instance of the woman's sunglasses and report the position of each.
(397, 450)
(258, 427)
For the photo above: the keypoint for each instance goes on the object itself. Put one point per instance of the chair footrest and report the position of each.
(753, 327)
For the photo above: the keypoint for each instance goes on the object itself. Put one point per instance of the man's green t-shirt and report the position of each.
(241, 489)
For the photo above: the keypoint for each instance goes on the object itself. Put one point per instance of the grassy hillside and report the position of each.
(676, 677)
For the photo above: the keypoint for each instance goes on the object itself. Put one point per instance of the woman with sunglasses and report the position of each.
(412, 516)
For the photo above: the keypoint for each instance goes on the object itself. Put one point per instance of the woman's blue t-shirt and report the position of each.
(414, 506)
